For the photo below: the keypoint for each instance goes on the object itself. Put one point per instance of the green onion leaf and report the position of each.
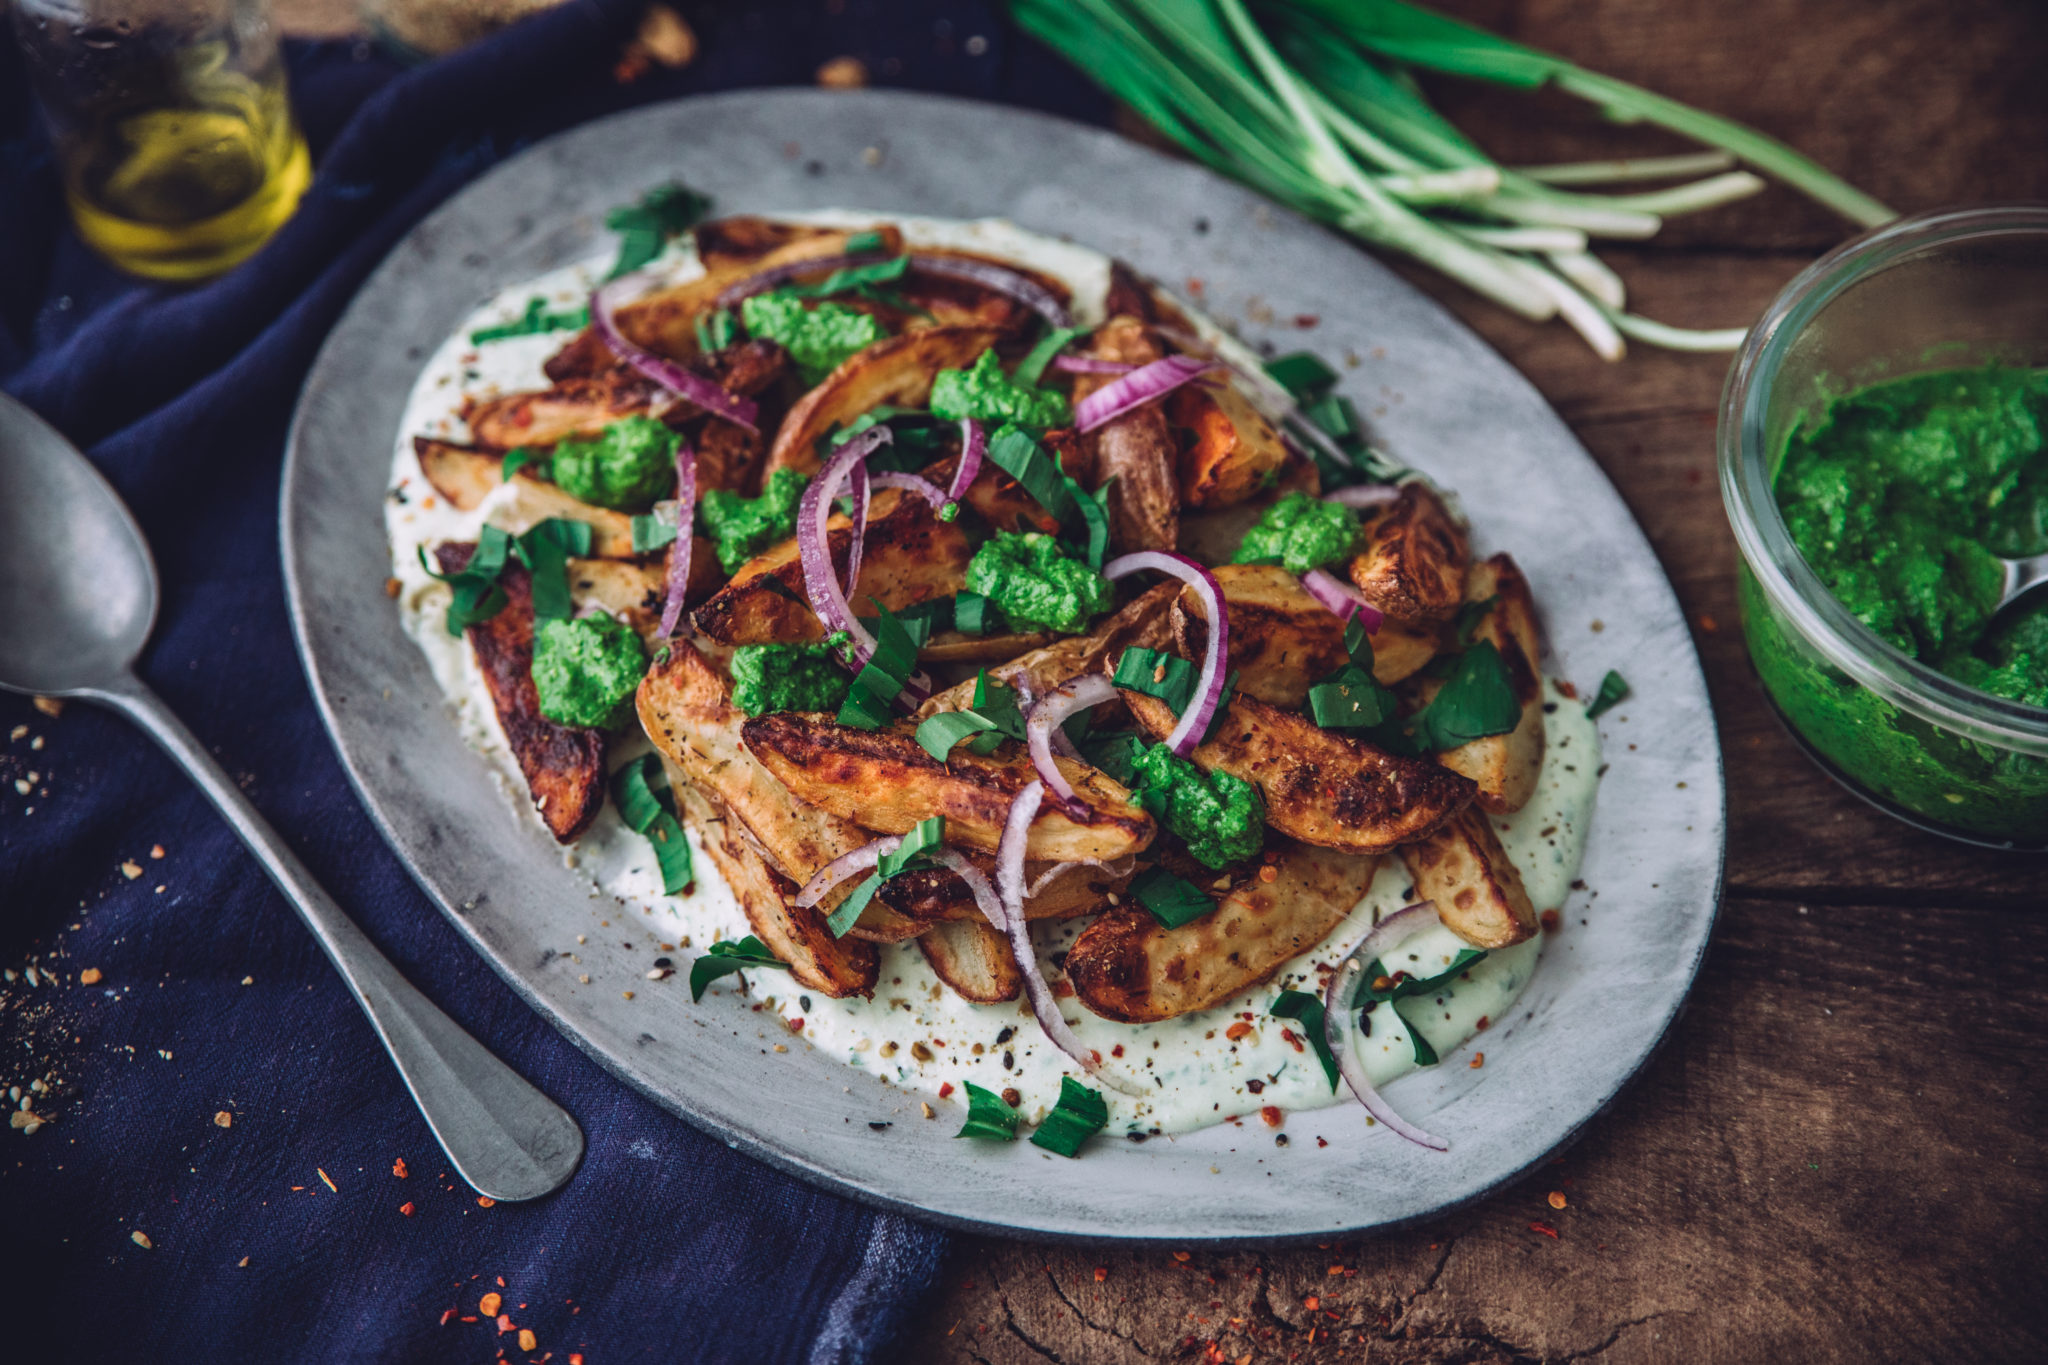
(989, 1115)
(1475, 701)
(1026, 461)
(545, 549)
(1613, 688)
(1032, 367)
(533, 322)
(1308, 1010)
(974, 614)
(927, 833)
(1173, 900)
(881, 679)
(1080, 1115)
(476, 596)
(644, 228)
(652, 531)
(1158, 674)
(519, 458)
(1400, 987)
(861, 243)
(1114, 753)
(1304, 374)
(716, 329)
(937, 735)
(843, 916)
(725, 958)
(1351, 699)
(650, 810)
(850, 278)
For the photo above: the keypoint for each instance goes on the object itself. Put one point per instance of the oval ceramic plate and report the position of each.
(1438, 399)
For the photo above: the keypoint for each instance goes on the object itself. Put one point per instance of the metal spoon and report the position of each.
(2022, 576)
(78, 596)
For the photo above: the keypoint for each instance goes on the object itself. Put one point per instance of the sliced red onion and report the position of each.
(1340, 1003)
(1209, 686)
(735, 294)
(973, 448)
(1003, 280)
(844, 866)
(859, 485)
(977, 883)
(1136, 389)
(1088, 364)
(1343, 599)
(1115, 867)
(915, 483)
(686, 525)
(1090, 689)
(1363, 495)
(1010, 888)
(814, 547)
(706, 393)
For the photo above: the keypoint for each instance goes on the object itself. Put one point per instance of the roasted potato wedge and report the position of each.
(1228, 450)
(630, 591)
(910, 557)
(883, 780)
(465, 477)
(1129, 967)
(1136, 449)
(1283, 641)
(819, 962)
(1462, 867)
(1505, 766)
(952, 647)
(934, 895)
(1141, 621)
(564, 767)
(896, 369)
(1414, 561)
(974, 959)
(583, 406)
(1321, 787)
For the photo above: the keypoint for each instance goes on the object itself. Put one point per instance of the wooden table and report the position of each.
(1836, 1155)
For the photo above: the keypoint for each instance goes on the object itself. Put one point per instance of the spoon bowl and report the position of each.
(78, 597)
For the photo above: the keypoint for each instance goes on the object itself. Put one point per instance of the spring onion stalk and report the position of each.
(1315, 103)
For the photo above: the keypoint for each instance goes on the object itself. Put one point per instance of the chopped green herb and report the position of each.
(476, 596)
(998, 703)
(1475, 701)
(817, 338)
(989, 1115)
(1114, 753)
(974, 614)
(916, 438)
(769, 678)
(716, 329)
(630, 465)
(1017, 454)
(853, 279)
(881, 679)
(1036, 584)
(650, 810)
(986, 394)
(1080, 1115)
(1468, 619)
(1173, 900)
(1613, 688)
(652, 531)
(1032, 367)
(741, 527)
(645, 228)
(533, 322)
(1308, 1010)
(1220, 817)
(545, 549)
(1172, 679)
(1094, 510)
(1302, 373)
(937, 734)
(1401, 986)
(925, 834)
(862, 243)
(723, 959)
(520, 458)
(1351, 699)
(1300, 533)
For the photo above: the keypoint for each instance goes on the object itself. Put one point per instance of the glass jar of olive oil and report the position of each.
(177, 146)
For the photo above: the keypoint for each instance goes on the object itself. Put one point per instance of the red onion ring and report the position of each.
(1001, 279)
(1010, 887)
(1088, 364)
(846, 865)
(1135, 389)
(813, 546)
(1115, 867)
(973, 449)
(686, 525)
(706, 393)
(914, 483)
(1363, 495)
(859, 486)
(1209, 686)
(734, 294)
(1090, 689)
(1340, 1002)
(1343, 599)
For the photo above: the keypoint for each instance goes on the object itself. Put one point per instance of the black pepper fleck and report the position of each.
(664, 962)
(878, 1127)
(1009, 1060)
(1005, 1036)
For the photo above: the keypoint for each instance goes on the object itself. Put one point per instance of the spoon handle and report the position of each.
(505, 1138)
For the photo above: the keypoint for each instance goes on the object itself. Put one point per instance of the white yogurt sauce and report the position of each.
(914, 1032)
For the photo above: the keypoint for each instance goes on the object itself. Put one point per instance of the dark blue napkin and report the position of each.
(210, 1170)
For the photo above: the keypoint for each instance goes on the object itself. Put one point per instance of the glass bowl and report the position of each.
(1937, 291)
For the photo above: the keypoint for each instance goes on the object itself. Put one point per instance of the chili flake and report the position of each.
(89, 977)
(1545, 1229)
(1557, 1199)
(484, 1201)
(1271, 1116)
(1478, 1060)
(527, 1340)
(1101, 1273)
(489, 1304)
(406, 1208)
(327, 1180)
(398, 1168)
(224, 1119)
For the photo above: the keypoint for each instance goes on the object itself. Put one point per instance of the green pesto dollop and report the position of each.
(586, 670)
(1904, 497)
(1219, 817)
(1036, 585)
(769, 678)
(628, 467)
(818, 338)
(986, 394)
(1300, 533)
(741, 527)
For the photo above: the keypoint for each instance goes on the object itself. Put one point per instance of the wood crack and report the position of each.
(1037, 1348)
(1090, 1323)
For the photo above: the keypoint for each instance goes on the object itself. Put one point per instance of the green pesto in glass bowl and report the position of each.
(1880, 444)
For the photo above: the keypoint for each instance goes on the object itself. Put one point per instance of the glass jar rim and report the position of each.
(1760, 531)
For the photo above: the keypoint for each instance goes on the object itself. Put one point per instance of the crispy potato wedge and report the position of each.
(819, 962)
(685, 709)
(910, 557)
(1415, 557)
(564, 767)
(951, 647)
(936, 896)
(1129, 967)
(1228, 450)
(1505, 766)
(896, 369)
(883, 780)
(1283, 641)
(630, 591)
(1141, 621)
(728, 457)
(1136, 449)
(1321, 787)
(1462, 867)
(974, 959)
(582, 406)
